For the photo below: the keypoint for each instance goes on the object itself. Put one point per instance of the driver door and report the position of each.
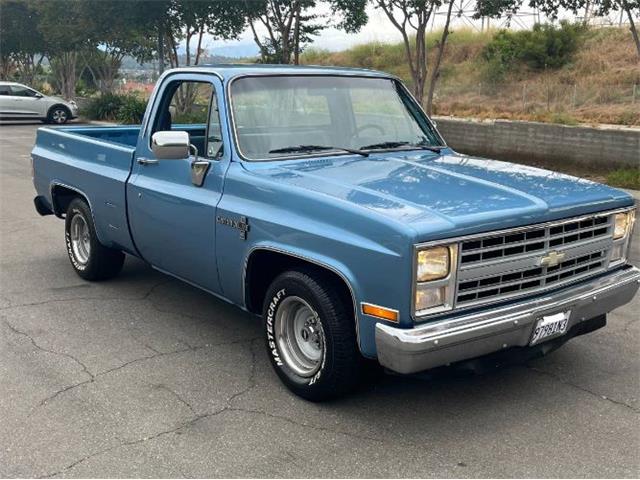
(172, 219)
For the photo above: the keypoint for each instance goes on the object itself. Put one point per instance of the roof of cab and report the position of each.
(230, 70)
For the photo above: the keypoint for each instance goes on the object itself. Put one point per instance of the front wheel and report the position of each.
(89, 258)
(310, 336)
(58, 115)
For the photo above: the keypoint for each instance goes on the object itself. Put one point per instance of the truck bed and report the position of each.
(123, 135)
(94, 161)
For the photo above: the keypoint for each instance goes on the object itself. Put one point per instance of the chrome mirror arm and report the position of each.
(199, 168)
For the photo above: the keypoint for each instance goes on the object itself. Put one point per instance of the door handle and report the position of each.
(147, 161)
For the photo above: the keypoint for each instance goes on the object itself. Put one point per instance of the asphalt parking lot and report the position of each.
(144, 376)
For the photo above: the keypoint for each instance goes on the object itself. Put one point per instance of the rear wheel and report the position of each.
(89, 258)
(58, 115)
(310, 336)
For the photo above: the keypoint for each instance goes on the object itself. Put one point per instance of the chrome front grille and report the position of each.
(521, 261)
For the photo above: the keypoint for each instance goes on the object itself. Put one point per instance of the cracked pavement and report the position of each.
(145, 376)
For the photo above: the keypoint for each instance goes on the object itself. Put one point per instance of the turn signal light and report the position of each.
(380, 312)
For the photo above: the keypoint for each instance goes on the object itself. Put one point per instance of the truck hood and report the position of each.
(452, 193)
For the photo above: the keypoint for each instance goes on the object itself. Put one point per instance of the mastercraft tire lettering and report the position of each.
(271, 343)
(310, 335)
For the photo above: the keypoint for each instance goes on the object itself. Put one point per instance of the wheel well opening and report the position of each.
(61, 197)
(265, 265)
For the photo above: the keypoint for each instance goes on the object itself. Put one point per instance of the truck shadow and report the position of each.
(198, 317)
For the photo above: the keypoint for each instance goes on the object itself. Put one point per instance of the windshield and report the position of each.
(282, 116)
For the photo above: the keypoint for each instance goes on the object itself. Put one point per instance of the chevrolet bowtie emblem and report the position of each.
(552, 259)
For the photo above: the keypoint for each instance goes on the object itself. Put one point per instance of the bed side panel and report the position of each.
(96, 168)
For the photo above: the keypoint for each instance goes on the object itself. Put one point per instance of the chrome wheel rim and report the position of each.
(80, 239)
(59, 116)
(300, 336)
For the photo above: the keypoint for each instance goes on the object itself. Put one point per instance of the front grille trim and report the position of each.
(513, 269)
(597, 244)
(551, 287)
(594, 266)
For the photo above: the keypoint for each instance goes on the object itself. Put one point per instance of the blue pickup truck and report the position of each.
(325, 201)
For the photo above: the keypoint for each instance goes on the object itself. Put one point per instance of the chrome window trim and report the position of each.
(458, 240)
(151, 104)
(372, 74)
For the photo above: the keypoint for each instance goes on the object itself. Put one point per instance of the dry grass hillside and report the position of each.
(601, 83)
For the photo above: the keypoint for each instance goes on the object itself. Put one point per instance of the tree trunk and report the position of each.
(7, 67)
(64, 67)
(417, 59)
(160, 48)
(71, 74)
(435, 70)
(632, 27)
(109, 71)
(296, 37)
(27, 67)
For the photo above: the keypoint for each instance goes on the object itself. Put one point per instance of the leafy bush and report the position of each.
(104, 107)
(545, 46)
(126, 108)
(132, 110)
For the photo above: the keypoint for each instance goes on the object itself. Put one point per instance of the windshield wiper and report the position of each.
(421, 146)
(313, 148)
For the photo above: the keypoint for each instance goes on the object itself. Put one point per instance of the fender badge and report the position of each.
(242, 224)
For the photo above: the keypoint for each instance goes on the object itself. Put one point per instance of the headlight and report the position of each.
(622, 223)
(429, 297)
(622, 228)
(435, 279)
(433, 264)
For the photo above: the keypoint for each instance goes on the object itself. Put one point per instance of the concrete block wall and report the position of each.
(598, 148)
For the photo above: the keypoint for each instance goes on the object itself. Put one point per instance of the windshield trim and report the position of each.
(302, 156)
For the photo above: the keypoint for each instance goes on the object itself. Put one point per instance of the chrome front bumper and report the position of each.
(461, 338)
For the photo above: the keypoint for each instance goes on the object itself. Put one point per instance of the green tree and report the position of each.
(64, 28)
(191, 19)
(544, 46)
(21, 43)
(630, 8)
(177, 24)
(114, 30)
(181, 25)
(291, 24)
(410, 18)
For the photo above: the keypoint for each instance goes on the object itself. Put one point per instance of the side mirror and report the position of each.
(170, 145)
(38, 96)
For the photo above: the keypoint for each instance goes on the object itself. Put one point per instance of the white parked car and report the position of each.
(18, 101)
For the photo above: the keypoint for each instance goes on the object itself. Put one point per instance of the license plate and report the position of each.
(550, 326)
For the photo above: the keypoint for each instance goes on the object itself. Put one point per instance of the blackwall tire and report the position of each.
(58, 115)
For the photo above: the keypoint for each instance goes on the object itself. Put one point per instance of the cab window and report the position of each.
(192, 107)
